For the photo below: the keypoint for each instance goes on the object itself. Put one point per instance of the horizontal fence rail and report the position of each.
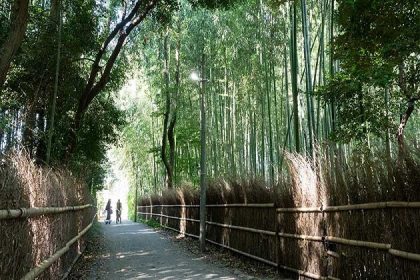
(34, 273)
(353, 207)
(167, 205)
(323, 209)
(38, 211)
(211, 223)
(300, 272)
(358, 243)
(350, 207)
(169, 217)
(252, 205)
(266, 232)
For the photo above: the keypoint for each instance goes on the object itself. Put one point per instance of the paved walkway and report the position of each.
(134, 251)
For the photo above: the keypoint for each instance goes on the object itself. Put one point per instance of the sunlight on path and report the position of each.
(133, 251)
(116, 187)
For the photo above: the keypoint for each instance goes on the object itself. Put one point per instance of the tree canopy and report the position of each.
(280, 76)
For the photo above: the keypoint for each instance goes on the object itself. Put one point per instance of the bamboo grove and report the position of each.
(270, 69)
(333, 77)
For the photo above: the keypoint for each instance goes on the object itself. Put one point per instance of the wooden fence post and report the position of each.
(277, 237)
(324, 255)
(161, 217)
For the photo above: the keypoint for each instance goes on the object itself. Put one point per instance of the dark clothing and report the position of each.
(108, 209)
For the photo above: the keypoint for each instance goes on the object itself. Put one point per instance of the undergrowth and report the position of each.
(151, 223)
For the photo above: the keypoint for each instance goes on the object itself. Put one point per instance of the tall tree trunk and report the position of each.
(154, 156)
(40, 137)
(167, 113)
(294, 65)
(260, 91)
(408, 91)
(307, 55)
(57, 71)
(203, 161)
(404, 119)
(332, 72)
(173, 114)
(276, 116)
(233, 138)
(15, 37)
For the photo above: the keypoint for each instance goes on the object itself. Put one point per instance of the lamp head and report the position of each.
(194, 76)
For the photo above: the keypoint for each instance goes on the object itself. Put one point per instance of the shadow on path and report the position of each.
(134, 251)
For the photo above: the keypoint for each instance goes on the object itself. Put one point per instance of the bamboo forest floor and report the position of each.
(136, 251)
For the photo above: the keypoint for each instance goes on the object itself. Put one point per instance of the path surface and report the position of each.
(134, 251)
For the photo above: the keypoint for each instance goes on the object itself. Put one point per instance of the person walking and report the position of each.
(108, 210)
(119, 208)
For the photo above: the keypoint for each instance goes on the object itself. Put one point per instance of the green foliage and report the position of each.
(378, 50)
(4, 18)
(100, 130)
(151, 223)
(248, 54)
(165, 11)
(214, 4)
(376, 37)
(30, 85)
(360, 109)
(377, 30)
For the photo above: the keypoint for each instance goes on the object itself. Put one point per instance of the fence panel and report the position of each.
(333, 242)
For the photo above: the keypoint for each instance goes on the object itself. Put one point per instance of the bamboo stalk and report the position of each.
(301, 236)
(252, 205)
(299, 210)
(403, 204)
(147, 213)
(177, 218)
(37, 211)
(367, 244)
(362, 206)
(48, 262)
(333, 254)
(371, 245)
(170, 217)
(177, 205)
(404, 254)
(272, 233)
(168, 205)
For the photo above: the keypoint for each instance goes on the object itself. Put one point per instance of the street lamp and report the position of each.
(203, 170)
(194, 76)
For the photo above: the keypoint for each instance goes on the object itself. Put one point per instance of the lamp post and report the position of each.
(203, 169)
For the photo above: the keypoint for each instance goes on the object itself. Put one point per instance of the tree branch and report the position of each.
(404, 119)
(94, 85)
(17, 31)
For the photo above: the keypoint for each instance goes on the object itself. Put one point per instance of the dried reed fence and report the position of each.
(327, 221)
(44, 214)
